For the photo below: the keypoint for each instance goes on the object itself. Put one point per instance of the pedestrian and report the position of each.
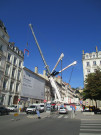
(75, 108)
(38, 112)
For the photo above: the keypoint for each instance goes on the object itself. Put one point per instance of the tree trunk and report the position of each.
(96, 103)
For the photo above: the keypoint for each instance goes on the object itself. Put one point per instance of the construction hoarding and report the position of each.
(33, 86)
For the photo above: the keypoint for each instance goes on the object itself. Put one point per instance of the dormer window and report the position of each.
(93, 55)
(87, 56)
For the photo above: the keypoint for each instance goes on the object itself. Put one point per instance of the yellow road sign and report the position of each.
(16, 114)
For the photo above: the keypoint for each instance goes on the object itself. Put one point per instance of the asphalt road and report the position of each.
(55, 124)
(23, 125)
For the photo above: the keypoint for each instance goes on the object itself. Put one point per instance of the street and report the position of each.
(54, 124)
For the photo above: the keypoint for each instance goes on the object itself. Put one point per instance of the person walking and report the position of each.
(38, 112)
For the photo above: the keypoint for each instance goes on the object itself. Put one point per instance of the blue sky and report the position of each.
(61, 26)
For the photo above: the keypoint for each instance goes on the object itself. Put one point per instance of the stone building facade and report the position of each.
(90, 62)
(11, 65)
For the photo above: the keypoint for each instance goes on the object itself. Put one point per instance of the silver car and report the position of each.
(63, 110)
(31, 109)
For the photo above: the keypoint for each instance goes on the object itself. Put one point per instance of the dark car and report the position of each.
(97, 111)
(3, 111)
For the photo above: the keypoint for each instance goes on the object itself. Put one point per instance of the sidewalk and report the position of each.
(17, 112)
(80, 115)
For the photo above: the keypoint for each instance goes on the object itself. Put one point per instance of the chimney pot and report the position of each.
(36, 70)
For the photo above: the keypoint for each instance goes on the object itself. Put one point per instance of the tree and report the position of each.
(92, 88)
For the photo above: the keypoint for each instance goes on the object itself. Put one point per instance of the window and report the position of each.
(7, 70)
(17, 87)
(2, 98)
(19, 72)
(11, 86)
(20, 63)
(9, 57)
(5, 85)
(0, 47)
(0, 61)
(9, 100)
(88, 70)
(13, 72)
(15, 61)
(88, 64)
(94, 63)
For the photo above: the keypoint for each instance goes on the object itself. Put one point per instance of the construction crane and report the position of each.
(53, 73)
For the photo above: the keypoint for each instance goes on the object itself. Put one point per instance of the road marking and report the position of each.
(29, 116)
(88, 127)
(90, 134)
(66, 117)
(60, 116)
(90, 119)
(90, 130)
(92, 124)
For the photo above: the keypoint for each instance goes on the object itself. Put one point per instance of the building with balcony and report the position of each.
(90, 62)
(11, 65)
(4, 39)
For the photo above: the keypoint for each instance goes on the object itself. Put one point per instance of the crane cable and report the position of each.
(71, 75)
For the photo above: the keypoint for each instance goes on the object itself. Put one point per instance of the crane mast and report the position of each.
(46, 66)
(51, 79)
(53, 73)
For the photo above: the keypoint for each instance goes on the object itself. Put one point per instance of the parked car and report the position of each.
(87, 109)
(97, 111)
(41, 107)
(63, 110)
(12, 108)
(31, 109)
(4, 110)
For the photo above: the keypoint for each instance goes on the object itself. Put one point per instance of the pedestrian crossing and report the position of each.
(35, 116)
(59, 116)
(90, 127)
(56, 116)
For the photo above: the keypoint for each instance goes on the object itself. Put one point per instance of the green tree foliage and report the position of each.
(92, 88)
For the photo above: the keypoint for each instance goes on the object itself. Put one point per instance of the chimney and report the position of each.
(36, 70)
(96, 49)
(44, 73)
(83, 52)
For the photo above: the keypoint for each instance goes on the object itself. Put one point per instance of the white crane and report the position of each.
(53, 73)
